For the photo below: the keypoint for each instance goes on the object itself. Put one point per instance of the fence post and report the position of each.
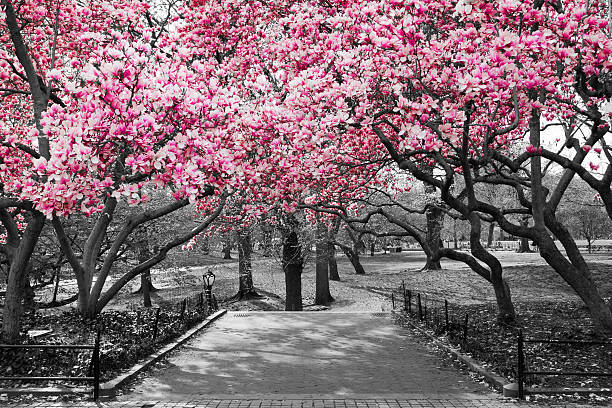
(420, 307)
(405, 301)
(465, 328)
(156, 323)
(409, 302)
(96, 366)
(392, 301)
(215, 304)
(521, 366)
(446, 315)
(201, 299)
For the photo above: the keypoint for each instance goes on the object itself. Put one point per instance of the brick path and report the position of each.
(417, 402)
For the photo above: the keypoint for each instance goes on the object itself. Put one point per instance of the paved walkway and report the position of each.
(303, 360)
(304, 354)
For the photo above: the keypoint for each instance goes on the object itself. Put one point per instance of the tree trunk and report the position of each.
(13, 311)
(372, 248)
(490, 235)
(292, 266)
(524, 242)
(589, 246)
(333, 265)
(575, 272)
(322, 294)
(144, 253)
(353, 257)
(505, 308)
(246, 289)
(227, 250)
(435, 217)
(28, 292)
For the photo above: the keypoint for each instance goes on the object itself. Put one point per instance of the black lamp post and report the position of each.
(209, 280)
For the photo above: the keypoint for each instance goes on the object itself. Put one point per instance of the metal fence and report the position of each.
(436, 313)
(94, 371)
(442, 318)
(153, 325)
(522, 371)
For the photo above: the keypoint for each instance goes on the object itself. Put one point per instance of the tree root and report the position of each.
(241, 296)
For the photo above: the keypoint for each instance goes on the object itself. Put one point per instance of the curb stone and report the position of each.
(108, 389)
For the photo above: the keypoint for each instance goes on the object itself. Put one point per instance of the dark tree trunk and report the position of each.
(145, 285)
(372, 247)
(435, 217)
(490, 235)
(333, 265)
(13, 310)
(589, 245)
(455, 246)
(144, 253)
(246, 290)
(292, 266)
(575, 272)
(227, 250)
(28, 292)
(353, 257)
(524, 242)
(58, 274)
(322, 294)
(505, 308)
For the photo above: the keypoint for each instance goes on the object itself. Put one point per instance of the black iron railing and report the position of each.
(521, 370)
(94, 376)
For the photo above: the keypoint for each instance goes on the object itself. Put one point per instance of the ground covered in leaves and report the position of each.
(126, 337)
(495, 345)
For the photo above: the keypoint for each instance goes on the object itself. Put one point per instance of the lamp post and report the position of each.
(209, 280)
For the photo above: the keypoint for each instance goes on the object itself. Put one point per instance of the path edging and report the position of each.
(495, 380)
(109, 388)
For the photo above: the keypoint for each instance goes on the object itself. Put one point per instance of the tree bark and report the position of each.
(292, 266)
(575, 272)
(505, 308)
(13, 311)
(524, 242)
(333, 265)
(227, 249)
(435, 217)
(145, 278)
(353, 257)
(246, 289)
(322, 294)
(490, 234)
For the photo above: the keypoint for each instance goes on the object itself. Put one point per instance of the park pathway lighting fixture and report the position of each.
(209, 280)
